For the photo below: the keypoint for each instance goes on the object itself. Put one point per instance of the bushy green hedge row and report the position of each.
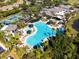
(7, 3)
(9, 12)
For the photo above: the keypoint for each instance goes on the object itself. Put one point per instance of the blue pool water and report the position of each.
(11, 18)
(43, 31)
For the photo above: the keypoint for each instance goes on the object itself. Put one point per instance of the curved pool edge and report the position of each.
(44, 38)
(25, 43)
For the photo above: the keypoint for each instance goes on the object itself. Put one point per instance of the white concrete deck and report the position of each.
(3, 28)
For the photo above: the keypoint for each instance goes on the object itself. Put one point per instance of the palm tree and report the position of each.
(57, 2)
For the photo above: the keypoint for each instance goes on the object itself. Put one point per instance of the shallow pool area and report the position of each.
(11, 19)
(43, 31)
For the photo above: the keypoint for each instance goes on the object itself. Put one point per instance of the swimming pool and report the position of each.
(12, 18)
(43, 31)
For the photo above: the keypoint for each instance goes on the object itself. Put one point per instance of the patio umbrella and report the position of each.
(29, 32)
(56, 18)
(31, 25)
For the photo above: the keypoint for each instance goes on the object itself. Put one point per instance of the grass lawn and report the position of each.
(16, 54)
(73, 1)
(4, 55)
(69, 25)
(2, 3)
(2, 18)
(13, 54)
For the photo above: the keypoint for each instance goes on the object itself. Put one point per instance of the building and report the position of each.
(9, 30)
(1, 50)
(57, 10)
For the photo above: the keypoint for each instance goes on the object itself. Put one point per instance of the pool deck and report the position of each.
(24, 38)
